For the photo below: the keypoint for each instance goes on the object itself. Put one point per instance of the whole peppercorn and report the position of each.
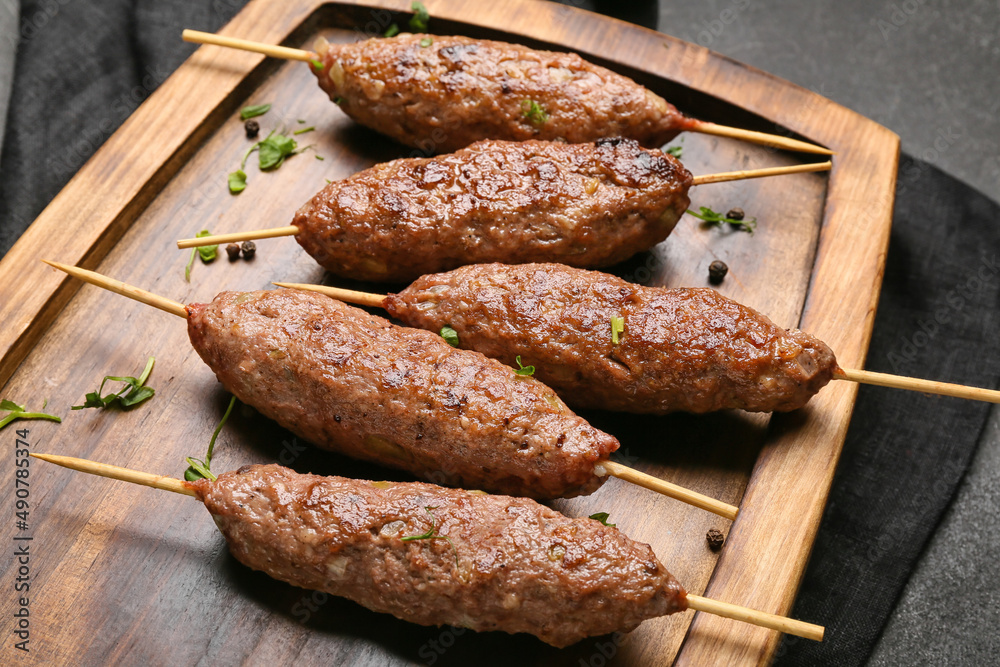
(249, 248)
(233, 251)
(717, 272)
(252, 128)
(736, 214)
(715, 539)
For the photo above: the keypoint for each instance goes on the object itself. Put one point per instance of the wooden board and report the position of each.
(127, 574)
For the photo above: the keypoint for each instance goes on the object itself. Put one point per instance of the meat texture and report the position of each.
(586, 205)
(690, 350)
(484, 562)
(351, 382)
(441, 93)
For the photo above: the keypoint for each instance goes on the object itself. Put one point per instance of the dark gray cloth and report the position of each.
(937, 318)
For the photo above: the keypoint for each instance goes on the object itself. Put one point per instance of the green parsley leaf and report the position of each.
(676, 151)
(338, 100)
(425, 42)
(273, 150)
(421, 17)
(208, 253)
(317, 64)
(20, 412)
(524, 370)
(603, 518)
(203, 469)
(136, 388)
(717, 220)
(237, 181)
(534, 112)
(617, 327)
(304, 130)
(392, 31)
(450, 335)
(319, 157)
(253, 111)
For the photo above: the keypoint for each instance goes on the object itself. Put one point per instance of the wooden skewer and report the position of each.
(124, 289)
(692, 125)
(859, 376)
(609, 467)
(292, 230)
(695, 602)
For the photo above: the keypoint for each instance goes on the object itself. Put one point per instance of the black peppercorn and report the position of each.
(735, 214)
(715, 539)
(717, 272)
(249, 248)
(233, 251)
(252, 128)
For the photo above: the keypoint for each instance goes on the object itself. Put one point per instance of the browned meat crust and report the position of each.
(580, 204)
(456, 90)
(354, 383)
(507, 564)
(691, 350)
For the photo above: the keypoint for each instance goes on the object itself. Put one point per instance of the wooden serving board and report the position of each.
(121, 573)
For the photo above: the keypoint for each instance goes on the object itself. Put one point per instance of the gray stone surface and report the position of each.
(9, 19)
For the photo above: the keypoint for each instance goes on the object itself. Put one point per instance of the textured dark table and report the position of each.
(924, 68)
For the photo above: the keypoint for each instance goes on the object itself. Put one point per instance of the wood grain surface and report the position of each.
(131, 575)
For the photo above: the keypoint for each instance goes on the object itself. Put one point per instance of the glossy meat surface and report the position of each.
(455, 91)
(492, 563)
(351, 382)
(690, 350)
(586, 205)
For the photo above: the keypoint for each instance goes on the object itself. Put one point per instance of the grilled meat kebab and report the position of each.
(354, 383)
(587, 205)
(436, 556)
(442, 93)
(690, 350)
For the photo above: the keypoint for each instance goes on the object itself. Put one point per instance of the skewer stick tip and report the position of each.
(117, 286)
(917, 384)
(666, 488)
(760, 618)
(762, 138)
(745, 174)
(119, 473)
(236, 237)
(345, 295)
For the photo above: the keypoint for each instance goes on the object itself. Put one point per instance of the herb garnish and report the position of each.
(425, 42)
(603, 518)
(432, 533)
(20, 412)
(676, 151)
(338, 100)
(717, 220)
(316, 63)
(304, 130)
(617, 327)
(253, 111)
(319, 157)
(450, 335)
(421, 17)
(136, 388)
(202, 469)
(523, 370)
(534, 112)
(392, 31)
(208, 253)
(273, 150)
(237, 181)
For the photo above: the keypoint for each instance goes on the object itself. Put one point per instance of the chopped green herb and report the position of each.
(717, 219)
(432, 534)
(338, 100)
(676, 151)
(207, 253)
(237, 181)
(252, 112)
(603, 518)
(524, 370)
(425, 42)
(203, 469)
(316, 63)
(617, 327)
(421, 17)
(20, 412)
(136, 388)
(450, 335)
(392, 31)
(304, 130)
(300, 121)
(273, 150)
(534, 112)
